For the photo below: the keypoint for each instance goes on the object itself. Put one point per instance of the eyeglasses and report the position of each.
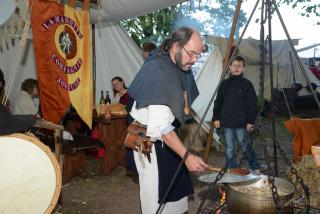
(192, 54)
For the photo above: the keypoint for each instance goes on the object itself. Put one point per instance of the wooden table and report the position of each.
(112, 133)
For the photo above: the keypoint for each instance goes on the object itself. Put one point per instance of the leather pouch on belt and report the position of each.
(136, 139)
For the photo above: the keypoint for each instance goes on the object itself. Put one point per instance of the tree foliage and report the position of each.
(159, 24)
(151, 27)
(309, 7)
(212, 20)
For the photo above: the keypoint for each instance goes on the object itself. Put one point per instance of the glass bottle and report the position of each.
(102, 101)
(107, 100)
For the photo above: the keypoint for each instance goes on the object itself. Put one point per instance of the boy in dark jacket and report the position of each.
(235, 112)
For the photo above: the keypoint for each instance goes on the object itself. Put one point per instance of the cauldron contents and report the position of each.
(259, 191)
(253, 198)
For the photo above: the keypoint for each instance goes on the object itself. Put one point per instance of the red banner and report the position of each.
(61, 38)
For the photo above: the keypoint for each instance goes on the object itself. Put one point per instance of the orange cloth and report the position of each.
(62, 46)
(54, 99)
(306, 134)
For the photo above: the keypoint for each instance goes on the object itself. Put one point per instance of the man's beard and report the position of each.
(178, 59)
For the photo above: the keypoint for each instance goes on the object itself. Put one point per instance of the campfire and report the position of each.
(223, 200)
(219, 203)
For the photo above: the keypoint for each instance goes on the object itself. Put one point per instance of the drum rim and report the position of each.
(54, 162)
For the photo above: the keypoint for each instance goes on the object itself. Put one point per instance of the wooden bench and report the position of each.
(74, 156)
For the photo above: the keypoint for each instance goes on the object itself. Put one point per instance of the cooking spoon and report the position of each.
(241, 171)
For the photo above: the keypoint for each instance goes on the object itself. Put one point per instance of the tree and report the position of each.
(213, 20)
(309, 7)
(159, 24)
(151, 27)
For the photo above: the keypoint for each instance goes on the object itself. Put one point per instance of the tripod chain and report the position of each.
(224, 169)
(292, 169)
(210, 188)
(248, 135)
(298, 178)
(263, 52)
(271, 177)
(221, 174)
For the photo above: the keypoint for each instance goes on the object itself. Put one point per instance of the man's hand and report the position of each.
(216, 124)
(195, 164)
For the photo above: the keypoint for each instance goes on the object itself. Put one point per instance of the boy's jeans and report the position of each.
(233, 138)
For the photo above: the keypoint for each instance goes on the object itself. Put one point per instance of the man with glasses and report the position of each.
(158, 92)
(192, 54)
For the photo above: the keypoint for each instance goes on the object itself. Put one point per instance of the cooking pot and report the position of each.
(256, 197)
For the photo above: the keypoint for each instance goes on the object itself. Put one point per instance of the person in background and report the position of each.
(10, 124)
(3, 100)
(316, 69)
(235, 112)
(120, 91)
(147, 48)
(158, 93)
(23, 104)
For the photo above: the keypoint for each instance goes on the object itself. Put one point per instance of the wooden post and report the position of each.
(209, 143)
(231, 37)
(57, 147)
(94, 66)
(225, 64)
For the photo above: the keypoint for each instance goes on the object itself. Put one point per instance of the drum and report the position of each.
(30, 180)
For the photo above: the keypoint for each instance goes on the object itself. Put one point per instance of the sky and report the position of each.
(299, 27)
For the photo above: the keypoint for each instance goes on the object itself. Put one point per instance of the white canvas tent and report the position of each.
(116, 10)
(116, 53)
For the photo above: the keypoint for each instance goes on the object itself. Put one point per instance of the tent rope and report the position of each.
(18, 54)
(106, 62)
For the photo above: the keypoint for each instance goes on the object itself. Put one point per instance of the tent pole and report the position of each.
(94, 67)
(209, 143)
(231, 36)
(292, 67)
(271, 88)
(225, 63)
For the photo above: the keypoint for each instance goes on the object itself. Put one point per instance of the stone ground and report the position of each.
(118, 193)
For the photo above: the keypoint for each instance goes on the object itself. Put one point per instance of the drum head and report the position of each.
(30, 180)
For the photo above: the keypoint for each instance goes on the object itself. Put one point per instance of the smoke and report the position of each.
(209, 20)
